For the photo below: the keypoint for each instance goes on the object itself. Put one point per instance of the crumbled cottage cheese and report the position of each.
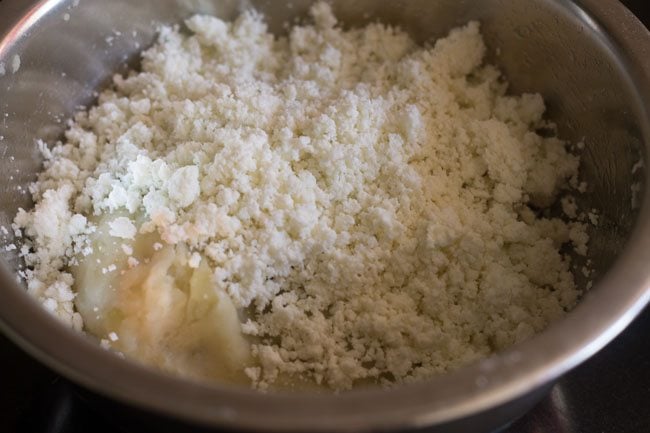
(122, 227)
(359, 207)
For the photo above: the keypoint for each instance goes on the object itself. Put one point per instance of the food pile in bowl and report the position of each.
(330, 209)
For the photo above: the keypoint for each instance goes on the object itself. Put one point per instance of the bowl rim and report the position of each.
(603, 313)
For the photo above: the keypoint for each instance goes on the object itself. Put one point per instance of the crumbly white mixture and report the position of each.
(366, 203)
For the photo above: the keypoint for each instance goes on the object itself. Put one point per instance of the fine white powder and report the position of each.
(366, 203)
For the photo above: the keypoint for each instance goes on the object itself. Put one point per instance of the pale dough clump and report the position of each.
(366, 204)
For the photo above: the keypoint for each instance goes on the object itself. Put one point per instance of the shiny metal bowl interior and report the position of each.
(590, 59)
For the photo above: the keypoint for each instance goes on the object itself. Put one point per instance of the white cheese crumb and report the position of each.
(195, 260)
(569, 207)
(183, 187)
(122, 227)
(113, 336)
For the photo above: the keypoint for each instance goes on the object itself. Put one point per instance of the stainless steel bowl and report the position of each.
(589, 58)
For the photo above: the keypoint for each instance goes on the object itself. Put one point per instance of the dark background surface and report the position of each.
(641, 8)
(608, 394)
